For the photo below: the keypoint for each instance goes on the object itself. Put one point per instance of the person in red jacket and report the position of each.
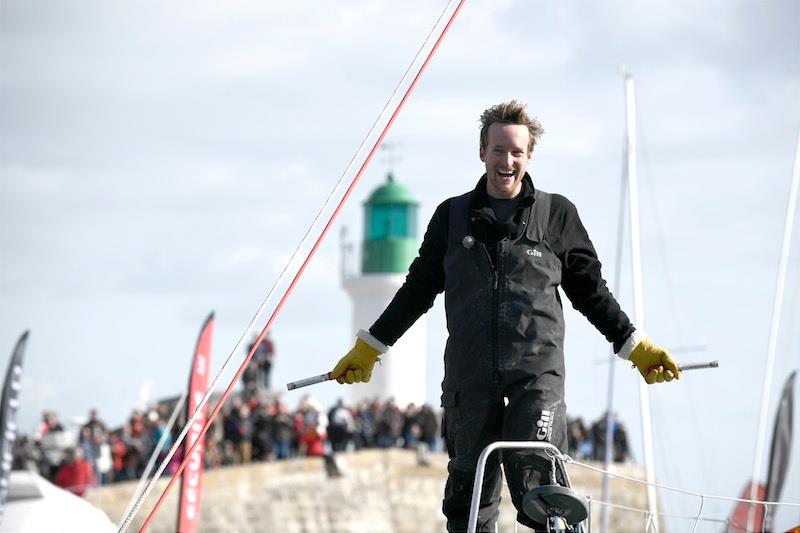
(75, 474)
(313, 442)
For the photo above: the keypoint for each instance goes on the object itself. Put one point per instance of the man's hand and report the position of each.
(654, 363)
(356, 366)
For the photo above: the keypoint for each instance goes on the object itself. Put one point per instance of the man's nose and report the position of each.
(509, 159)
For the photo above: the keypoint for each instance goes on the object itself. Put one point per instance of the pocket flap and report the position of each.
(449, 398)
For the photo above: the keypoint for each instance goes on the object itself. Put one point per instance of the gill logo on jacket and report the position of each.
(545, 425)
(534, 252)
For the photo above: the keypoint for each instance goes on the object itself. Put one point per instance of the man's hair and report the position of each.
(512, 112)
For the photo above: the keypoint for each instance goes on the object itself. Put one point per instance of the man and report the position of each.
(499, 252)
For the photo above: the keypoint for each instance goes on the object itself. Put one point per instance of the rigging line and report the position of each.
(272, 290)
(282, 274)
(777, 306)
(652, 195)
(699, 513)
(793, 331)
(667, 515)
(308, 258)
(569, 459)
(152, 461)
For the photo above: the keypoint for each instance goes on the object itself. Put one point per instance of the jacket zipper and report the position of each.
(496, 313)
(495, 310)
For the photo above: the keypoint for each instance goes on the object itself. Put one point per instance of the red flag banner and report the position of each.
(192, 480)
(738, 519)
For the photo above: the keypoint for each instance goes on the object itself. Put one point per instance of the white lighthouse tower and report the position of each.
(389, 246)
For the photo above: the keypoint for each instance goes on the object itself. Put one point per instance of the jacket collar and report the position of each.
(480, 197)
(483, 222)
(479, 200)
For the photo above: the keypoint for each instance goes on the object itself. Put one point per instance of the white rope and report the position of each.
(152, 461)
(699, 513)
(126, 522)
(568, 459)
(666, 515)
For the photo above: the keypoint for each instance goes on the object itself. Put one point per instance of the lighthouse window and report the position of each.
(389, 221)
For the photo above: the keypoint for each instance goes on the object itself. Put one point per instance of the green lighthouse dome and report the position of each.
(390, 229)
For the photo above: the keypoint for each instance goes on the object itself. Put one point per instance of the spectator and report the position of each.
(262, 433)
(621, 448)
(118, 452)
(389, 427)
(213, 452)
(95, 424)
(429, 426)
(411, 430)
(26, 454)
(240, 433)
(265, 355)
(598, 436)
(158, 429)
(49, 423)
(305, 417)
(576, 435)
(341, 426)
(258, 370)
(86, 442)
(76, 474)
(104, 461)
(282, 431)
(365, 425)
(312, 442)
(137, 427)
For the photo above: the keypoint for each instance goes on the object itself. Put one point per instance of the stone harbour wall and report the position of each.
(380, 491)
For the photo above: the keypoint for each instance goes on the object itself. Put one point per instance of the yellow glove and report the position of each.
(654, 363)
(356, 366)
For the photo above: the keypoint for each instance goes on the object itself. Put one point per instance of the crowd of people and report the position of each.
(589, 441)
(254, 425)
(250, 428)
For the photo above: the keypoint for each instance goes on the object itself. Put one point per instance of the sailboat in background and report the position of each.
(753, 524)
(746, 517)
(770, 518)
(630, 182)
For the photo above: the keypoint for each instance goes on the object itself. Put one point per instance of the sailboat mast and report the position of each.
(773, 339)
(638, 292)
(609, 457)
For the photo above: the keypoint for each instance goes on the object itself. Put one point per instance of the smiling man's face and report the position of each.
(506, 157)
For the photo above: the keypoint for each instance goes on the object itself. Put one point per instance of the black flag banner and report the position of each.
(781, 448)
(8, 416)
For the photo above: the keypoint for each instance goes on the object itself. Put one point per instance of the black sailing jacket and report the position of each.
(495, 290)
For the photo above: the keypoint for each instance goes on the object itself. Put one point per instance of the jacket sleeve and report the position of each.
(424, 281)
(581, 278)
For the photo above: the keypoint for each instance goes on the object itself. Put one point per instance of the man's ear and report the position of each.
(530, 155)
(482, 154)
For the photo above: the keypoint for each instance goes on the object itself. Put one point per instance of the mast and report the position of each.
(609, 457)
(773, 339)
(638, 293)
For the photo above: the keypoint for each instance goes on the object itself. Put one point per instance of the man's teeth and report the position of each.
(505, 173)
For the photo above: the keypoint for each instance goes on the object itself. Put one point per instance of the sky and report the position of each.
(159, 160)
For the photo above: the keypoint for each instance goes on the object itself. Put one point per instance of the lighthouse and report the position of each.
(388, 248)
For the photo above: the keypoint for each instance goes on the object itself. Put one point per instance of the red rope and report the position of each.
(286, 294)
